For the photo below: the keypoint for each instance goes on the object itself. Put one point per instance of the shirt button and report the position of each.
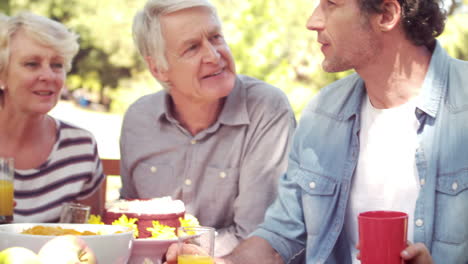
(454, 186)
(153, 169)
(222, 174)
(193, 142)
(312, 185)
(188, 182)
(419, 222)
(422, 181)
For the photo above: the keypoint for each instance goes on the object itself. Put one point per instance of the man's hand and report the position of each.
(249, 251)
(172, 253)
(416, 254)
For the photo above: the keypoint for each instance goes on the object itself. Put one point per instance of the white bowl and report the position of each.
(109, 249)
(149, 250)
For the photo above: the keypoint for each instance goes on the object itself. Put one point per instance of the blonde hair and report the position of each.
(147, 33)
(47, 31)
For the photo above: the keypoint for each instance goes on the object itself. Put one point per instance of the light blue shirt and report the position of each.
(309, 212)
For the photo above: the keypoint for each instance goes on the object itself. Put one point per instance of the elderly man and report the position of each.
(216, 140)
(393, 136)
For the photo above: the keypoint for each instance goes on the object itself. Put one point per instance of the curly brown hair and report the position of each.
(423, 20)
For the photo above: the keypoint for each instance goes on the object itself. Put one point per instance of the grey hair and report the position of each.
(147, 32)
(46, 31)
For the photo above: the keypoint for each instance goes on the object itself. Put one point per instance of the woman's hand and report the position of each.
(416, 254)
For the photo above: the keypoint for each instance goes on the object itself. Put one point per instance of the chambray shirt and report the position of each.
(309, 212)
(227, 174)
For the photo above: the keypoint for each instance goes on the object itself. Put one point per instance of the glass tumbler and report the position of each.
(7, 175)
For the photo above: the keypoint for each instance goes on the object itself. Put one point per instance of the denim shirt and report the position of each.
(309, 212)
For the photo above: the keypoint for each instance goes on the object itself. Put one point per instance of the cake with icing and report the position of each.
(165, 210)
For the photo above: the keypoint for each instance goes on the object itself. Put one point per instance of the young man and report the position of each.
(204, 139)
(391, 137)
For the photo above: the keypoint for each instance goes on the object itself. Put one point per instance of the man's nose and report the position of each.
(316, 20)
(211, 53)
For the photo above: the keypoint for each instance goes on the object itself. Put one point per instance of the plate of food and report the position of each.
(154, 222)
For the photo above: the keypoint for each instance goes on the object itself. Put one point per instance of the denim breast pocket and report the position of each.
(318, 198)
(153, 180)
(451, 213)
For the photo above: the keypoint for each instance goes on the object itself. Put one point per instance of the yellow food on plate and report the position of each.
(162, 231)
(158, 230)
(55, 231)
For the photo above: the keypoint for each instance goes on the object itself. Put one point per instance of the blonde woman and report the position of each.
(55, 162)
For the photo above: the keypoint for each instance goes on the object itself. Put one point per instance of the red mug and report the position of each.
(382, 236)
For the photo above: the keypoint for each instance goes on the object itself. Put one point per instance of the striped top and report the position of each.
(73, 171)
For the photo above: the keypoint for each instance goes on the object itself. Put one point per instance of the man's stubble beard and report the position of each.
(370, 47)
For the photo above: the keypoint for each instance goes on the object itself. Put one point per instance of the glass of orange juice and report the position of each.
(196, 245)
(7, 173)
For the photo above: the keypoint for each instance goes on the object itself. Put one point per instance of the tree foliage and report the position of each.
(455, 37)
(268, 39)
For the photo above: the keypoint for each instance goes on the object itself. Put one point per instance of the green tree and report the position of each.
(5, 6)
(268, 40)
(455, 36)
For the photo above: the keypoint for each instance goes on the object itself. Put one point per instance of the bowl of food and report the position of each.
(108, 243)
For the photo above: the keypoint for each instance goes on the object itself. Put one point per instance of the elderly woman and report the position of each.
(55, 162)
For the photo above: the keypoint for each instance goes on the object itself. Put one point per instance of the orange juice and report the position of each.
(193, 259)
(6, 198)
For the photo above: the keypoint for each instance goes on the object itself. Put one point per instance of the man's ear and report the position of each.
(391, 15)
(159, 74)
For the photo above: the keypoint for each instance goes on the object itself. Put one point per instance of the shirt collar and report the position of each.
(163, 111)
(234, 111)
(435, 82)
(235, 108)
(432, 90)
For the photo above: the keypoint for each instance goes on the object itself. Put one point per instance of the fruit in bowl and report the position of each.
(58, 250)
(72, 249)
(16, 255)
(109, 244)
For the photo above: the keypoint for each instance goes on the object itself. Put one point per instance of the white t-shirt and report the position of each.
(386, 177)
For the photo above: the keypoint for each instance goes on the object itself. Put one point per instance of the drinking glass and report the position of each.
(74, 213)
(382, 236)
(196, 245)
(7, 175)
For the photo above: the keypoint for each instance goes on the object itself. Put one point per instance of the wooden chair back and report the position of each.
(111, 166)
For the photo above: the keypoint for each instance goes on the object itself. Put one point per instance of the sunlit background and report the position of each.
(267, 37)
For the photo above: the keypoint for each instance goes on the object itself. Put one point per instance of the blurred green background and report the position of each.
(268, 40)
